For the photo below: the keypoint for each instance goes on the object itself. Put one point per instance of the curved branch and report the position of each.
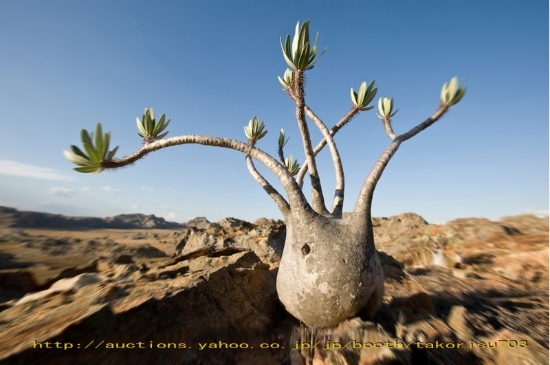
(342, 122)
(295, 195)
(389, 129)
(282, 204)
(338, 201)
(318, 201)
(428, 122)
(362, 212)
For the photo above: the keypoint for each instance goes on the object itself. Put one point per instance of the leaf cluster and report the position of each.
(149, 129)
(364, 96)
(96, 150)
(254, 131)
(300, 55)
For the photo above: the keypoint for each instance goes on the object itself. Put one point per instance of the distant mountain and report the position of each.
(12, 217)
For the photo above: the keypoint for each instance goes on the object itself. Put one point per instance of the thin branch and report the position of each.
(338, 201)
(342, 122)
(281, 155)
(389, 129)
(362, 210)
(318, 201)
(296, 197)
(282, 204)
(428, 122)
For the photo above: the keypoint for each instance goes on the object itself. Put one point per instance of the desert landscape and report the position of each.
(136, 289)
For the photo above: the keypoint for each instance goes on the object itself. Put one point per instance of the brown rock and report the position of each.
(232, 299)
(63, 285)
(123, 259)
(91, 267)
(418, 305)
(459, 324)
(350, 343)
(511, 348)
(22, 281)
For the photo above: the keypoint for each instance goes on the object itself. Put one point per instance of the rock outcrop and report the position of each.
(206, 294)
(169, 309)
(266, 240)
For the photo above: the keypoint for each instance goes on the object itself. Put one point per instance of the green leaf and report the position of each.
(87, 169)
(459, 95)
(282, 141)
(353, 97)
(303, 37)
(141, 129)
(361, 94)
(150, 126)
(78, 152)
(295, 40)
(161, 136)
(286, 54)
(106, 142)
(88, 146)
(159, 126)
(370, 95)
(76, 159)
(112, 153)
(303, 58)
(283, 84)
(317, 59)
(99, 140)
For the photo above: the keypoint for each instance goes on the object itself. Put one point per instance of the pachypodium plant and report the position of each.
(329, 270)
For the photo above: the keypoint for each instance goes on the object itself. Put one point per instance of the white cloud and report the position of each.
(134, 206)
(167, 207)
(61, 191)
(172, 217)
(540, 213)
(14, 168)
(149, 189)
(86, 188)
(112, 190)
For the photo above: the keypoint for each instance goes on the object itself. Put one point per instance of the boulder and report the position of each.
(71, 284)
(267, 241)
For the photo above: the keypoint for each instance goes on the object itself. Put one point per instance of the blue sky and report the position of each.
(211, 66)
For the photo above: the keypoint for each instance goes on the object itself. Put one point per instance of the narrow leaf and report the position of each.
(106, 142)
(88, 146)
(353, 97)
(87, 169)
(159, 126)
(112, 153)
(76, 159)
(99, 140)
(162, 135)
(78, 152)
(295, 41)
(361, 93)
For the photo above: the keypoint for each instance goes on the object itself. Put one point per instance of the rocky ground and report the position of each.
(204, 293)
